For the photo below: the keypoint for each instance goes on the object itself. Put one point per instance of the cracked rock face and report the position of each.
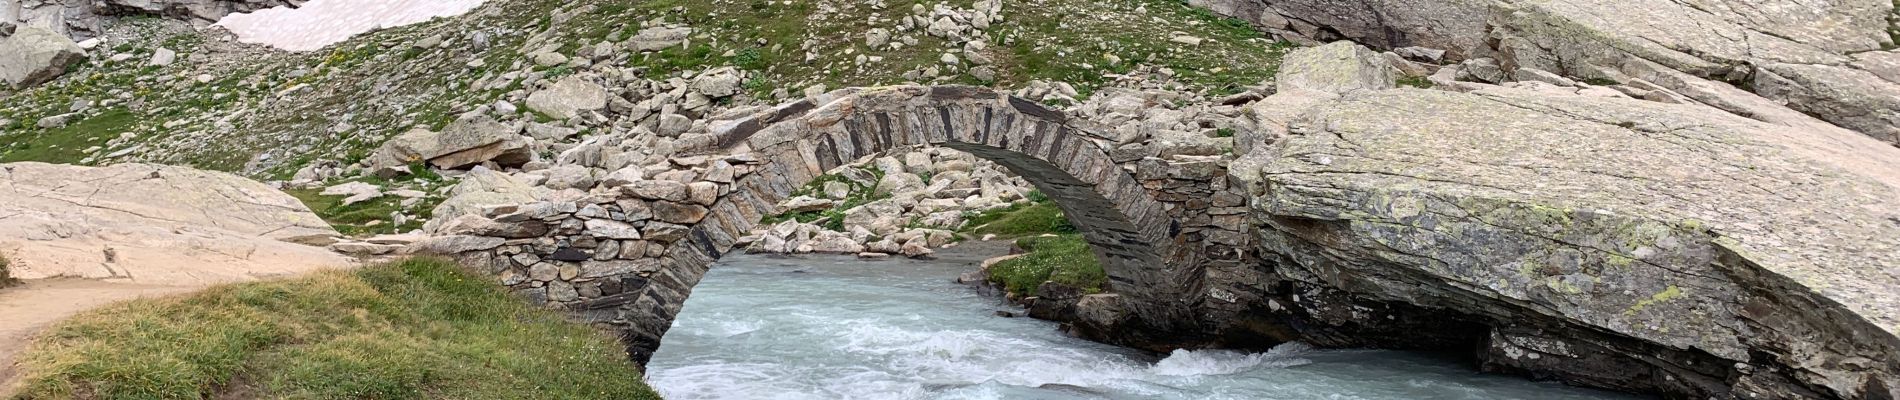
(152, 224)
(1608, 242)
(1830, 49)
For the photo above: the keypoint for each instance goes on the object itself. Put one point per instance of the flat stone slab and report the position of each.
(152, 224)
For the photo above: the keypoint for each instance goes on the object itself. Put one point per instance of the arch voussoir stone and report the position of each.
(1138, 239)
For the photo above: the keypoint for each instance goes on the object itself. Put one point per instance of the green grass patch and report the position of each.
(1037, 217)
(373, 216)
(1415, 81)
(67, 145)
(1064, 259)
(415, 329)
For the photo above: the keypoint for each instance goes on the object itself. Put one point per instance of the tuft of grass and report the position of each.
(413, 329)
(6, 278)
(1063, 259)
(1415, 81)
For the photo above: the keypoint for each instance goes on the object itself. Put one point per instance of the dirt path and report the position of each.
(27, 309)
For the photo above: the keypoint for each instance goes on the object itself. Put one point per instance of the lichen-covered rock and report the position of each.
(478, 139)
(1854, 98)
(1764, 255)
(1339, 67)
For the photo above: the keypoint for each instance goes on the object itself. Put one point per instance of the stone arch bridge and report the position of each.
(628, 257)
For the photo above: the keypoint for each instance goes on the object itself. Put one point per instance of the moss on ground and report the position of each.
(1063, 259)
(1037, 40)
(415, 329)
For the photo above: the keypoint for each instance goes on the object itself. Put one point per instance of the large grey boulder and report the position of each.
(571, 96)
(481, 188)
(416, 145)
(1610, 242)
(154, 225)
(658, 38)
(468, 141)
(479, 138)
(34, 55)
(1856, 99)
(1337, 68)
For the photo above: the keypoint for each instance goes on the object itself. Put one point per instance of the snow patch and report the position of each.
(320, 23)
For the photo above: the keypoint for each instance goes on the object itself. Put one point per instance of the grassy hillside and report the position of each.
(417, 329)
(241, 108)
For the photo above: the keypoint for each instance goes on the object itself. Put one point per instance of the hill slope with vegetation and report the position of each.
(244, 108)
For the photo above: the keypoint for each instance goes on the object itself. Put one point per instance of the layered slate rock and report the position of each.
(155, 225)
(1608, 242)
(1765, 43)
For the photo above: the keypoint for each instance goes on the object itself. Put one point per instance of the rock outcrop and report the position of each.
(1608, 242)
(154, 225)
(34, 55)
(82, 19)
(469, 141)
(1823, 59)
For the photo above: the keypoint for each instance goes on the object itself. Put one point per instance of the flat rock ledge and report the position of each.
(155, 225)
(1605, 242)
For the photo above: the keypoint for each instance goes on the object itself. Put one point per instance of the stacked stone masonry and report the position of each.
(628, 257)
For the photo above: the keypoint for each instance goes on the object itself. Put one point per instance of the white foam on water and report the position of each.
(856, 330)
(320, 23)
(1224, 362)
